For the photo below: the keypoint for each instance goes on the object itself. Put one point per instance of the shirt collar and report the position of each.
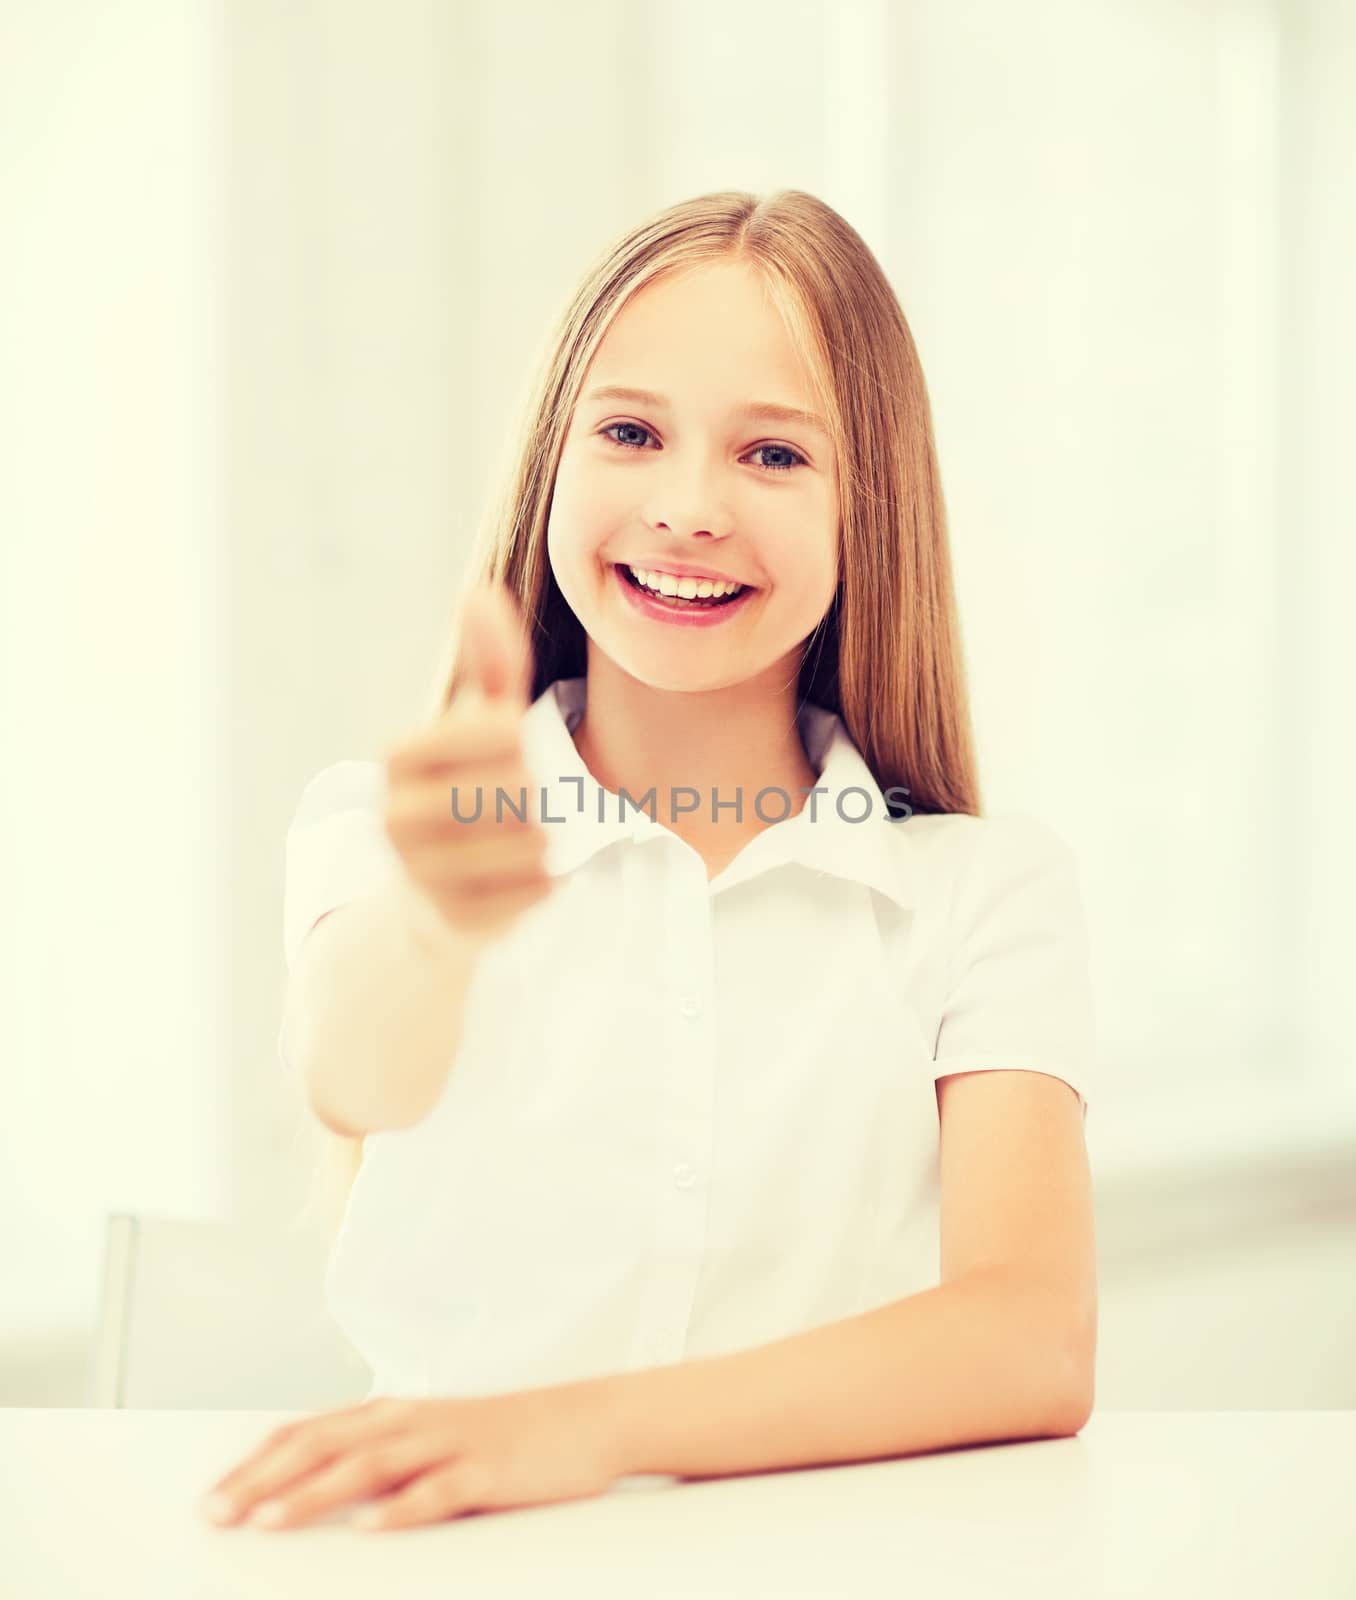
(874, 851)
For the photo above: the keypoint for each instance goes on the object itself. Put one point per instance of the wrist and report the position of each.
(613, 1400)
(431, 934)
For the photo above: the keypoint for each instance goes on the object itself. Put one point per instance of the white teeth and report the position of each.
(685, 588)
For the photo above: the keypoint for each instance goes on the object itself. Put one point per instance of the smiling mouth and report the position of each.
(677, 602)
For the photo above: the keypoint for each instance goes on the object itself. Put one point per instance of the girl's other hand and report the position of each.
(480, 874)
(423, 1461)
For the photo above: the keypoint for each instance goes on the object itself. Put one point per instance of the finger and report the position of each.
(463, 1485)
(495, 652)
(506, 801)
(478, 857)
(467, 733)
(295, 1448)
(362, 1471)
(501, 797)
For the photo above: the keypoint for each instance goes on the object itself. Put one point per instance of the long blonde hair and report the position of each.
(887, 655)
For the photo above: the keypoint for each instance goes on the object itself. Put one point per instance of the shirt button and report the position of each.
(684, 1175)
(688, 1005)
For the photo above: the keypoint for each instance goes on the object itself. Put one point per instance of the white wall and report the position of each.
(1317, 510)
(115, 1002)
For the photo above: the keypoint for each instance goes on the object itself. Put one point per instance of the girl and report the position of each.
(719, 1081)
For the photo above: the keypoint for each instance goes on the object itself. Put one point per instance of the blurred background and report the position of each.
(271, 278)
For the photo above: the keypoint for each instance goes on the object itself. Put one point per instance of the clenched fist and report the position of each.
(481, 875)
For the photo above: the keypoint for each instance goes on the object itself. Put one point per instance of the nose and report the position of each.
(700, 520)
(688, 505)
(681, 532)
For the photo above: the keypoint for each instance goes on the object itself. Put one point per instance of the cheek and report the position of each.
(817, 598)
(582, 508)
(566, 525)
(812, 575)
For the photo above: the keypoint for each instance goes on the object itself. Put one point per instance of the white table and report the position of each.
(1209, 1504)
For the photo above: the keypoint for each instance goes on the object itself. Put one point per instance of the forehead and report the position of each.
(709, 335)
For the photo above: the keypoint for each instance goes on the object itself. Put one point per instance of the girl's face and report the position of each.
(690, 479)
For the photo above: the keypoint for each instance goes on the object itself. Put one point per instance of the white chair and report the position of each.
(222, 1316)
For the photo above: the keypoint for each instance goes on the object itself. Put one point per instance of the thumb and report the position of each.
(495, 654)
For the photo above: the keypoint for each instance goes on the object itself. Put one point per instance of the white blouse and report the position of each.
(687, 1116)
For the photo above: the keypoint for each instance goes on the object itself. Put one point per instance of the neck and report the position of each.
(738, 740)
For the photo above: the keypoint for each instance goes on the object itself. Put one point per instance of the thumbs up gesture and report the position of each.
(481, 873)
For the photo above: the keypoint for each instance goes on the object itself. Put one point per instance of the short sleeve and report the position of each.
(1020, 990)
(337, 850)
(337, 847)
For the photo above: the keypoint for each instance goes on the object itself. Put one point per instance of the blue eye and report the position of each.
(610, 429)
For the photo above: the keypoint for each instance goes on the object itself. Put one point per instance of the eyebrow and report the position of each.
(761, 410)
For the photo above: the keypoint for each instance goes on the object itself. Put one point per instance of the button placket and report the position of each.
(684, 1173)
(689, 1092)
